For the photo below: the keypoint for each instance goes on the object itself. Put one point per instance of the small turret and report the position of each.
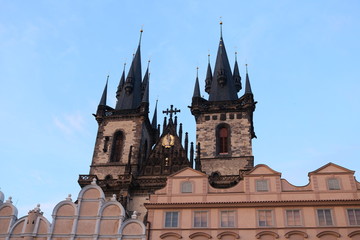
(236, 75)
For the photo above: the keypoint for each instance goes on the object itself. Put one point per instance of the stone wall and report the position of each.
(240, 148)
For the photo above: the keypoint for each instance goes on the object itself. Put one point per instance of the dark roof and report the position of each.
(130, 94)
(222, 86)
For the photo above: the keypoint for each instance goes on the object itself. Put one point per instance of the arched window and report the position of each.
(117, 147)
(223, 139)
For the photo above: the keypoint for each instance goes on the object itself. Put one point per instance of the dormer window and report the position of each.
(186, 187)
(333, 184)
(223, 139)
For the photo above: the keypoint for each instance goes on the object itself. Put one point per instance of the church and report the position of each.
(146, 181)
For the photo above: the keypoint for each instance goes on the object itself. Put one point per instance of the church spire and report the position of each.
(145, 81)
(130, 94)
(121, 83)
(236, 75)
(104, 95)
(197, 88)
(247, 84)
(209, 77)
(222, 86)
(154, 119)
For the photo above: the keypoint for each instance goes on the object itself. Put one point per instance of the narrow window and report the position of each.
(227, 218)
(117, 147)
(171, 219)
(324, 217)
(293, 218)
(265, 218)
(200, 218)
(262, 186)
(333, 184)
(223, 138)
(354, 216)
(186, 187)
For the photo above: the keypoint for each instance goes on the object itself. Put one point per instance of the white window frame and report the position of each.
(324, 211)
(228, 218)
(171, 224)
(293, 217)
(202, 224)
(357, 219)
(262, 185)
(266, 211)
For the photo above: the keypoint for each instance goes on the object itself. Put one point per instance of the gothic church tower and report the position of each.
(224, 122)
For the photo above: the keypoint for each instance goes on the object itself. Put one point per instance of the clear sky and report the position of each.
(304, 67)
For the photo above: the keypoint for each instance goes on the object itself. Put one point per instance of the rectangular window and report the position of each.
(265, 218)
(262, 186)
(200, 218)
(354, 216)
(227, 218)
(171, 219)
(333, 184)
(186, 187)
(293, 218)
(324, 217)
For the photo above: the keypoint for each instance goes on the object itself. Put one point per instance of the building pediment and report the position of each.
(262, 169)
(187, 172)
(331, 168)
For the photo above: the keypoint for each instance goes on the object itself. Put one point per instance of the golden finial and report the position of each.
(209, 58)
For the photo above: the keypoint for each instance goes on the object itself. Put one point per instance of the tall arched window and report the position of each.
(223, 139)
(117, 147)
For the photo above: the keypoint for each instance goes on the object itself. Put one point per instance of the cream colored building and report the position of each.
(261, 206)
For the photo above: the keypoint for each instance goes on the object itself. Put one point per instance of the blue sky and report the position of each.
(303, 57)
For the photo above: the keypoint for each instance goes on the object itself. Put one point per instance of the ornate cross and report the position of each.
(171, 111)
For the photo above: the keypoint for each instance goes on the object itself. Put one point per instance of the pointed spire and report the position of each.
(121, 83)
(104, 95)
(222, 86)
(145, 98)
(130, 94)
(197, 87)
(209, 77)
(247, 84)
(154, 119)
(236, 75)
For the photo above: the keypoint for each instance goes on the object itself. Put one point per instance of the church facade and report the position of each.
(146, 181)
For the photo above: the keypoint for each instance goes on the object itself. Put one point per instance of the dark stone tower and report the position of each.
(224, 122)
(131, 158)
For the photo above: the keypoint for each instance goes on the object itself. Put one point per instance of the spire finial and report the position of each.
(235, 55)
(246, 66)
(124, 66)
(148, 63)
(221, 27)
(141, 32)
(208, 57)
(197, 71)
